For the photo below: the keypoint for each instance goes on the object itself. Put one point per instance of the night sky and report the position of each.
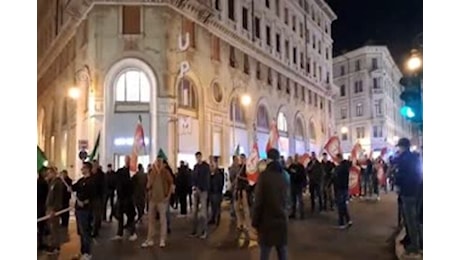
(394, 23)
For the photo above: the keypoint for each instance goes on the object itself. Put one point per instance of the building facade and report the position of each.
(183, 66)
(368, 104)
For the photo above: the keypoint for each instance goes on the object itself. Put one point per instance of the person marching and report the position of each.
(159, 188)
(85, 190)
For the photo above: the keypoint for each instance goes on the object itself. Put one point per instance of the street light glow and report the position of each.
(344, 130)
(74, 93)
(245, 100)
(414, 63)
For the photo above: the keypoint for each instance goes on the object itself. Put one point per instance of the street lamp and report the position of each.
(415, 61)
(74, 93)
(344, 130)
(245, 100)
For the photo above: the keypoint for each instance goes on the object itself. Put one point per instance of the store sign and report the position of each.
(127, 141)
(184, 66)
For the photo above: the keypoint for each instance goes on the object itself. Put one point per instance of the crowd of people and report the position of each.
(262, 210)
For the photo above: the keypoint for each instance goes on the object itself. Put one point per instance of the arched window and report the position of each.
(299, 128)
(132, 86)
(311, 130)
(237, 111)
(187, 94)
(282, 122)
(263, 120)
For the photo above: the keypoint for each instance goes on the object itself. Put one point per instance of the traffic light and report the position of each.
(412, 97)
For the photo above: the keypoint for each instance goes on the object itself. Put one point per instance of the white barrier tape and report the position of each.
(55, 214)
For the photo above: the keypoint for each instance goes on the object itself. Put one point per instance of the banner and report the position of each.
(252, 163)
(273, 137)
(332, 147)
(353, 180)
(137, 145)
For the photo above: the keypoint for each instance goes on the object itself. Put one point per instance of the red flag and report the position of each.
(251, 164)
(353, 180)
(332, 147)
(138, 144)
(357, 148)
(273, 137)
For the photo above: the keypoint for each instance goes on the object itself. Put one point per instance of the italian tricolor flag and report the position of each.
(95, 152)
(138, 145)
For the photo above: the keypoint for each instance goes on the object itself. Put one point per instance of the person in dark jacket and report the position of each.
(408, 180)
(215, 192)
(85, 189)
(328, 184)
(66, 198)
(298, 179)
(368, 177)
(201, 176)
(125, 203)
(97, 202)
(270, 208)
(53, 205)
(110, 181)
(182, 186)
(342, 172)
(315, 177)
(140, 188)
(42, 193)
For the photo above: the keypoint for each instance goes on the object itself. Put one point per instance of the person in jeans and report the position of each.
(215, 192)
(201, 178)
(270, 210)
(342, 172)
(368, 177)
(408, 180)
(54, 204)
(85, 190)
(159, 186)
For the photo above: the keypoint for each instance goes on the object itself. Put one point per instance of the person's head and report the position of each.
(235, 159)
(273, 155)
(198, 157)
(182, 163)
(403, 144)
(43, 172)
(109, 167)
(339, 157)
(296, 158)
(160, 162)
(313, 155)
(140, 167)
(86, 169)
(64, 173)
(243, 158)
(51, 173)
(324, 156)
(127, 161)
(289, 160)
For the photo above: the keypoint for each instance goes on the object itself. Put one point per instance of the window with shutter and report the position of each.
(131, 20)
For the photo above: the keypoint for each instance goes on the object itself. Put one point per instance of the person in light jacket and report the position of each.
(159, 188)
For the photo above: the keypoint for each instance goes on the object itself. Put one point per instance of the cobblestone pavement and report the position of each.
(370, 238)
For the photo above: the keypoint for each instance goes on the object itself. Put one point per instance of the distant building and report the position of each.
(368, 103)
(125, 61)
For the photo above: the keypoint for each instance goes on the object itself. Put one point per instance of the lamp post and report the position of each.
(244, 100)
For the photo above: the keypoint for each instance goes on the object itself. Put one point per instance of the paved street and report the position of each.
(312, 238)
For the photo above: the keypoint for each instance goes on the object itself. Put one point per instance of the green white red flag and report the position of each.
(138, 145)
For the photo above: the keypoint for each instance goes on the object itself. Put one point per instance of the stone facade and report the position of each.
(227, 57)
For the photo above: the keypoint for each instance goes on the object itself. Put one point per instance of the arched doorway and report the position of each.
(299, 136)
(263, 129)
(188, 121)
(283, 133)
(130, 98)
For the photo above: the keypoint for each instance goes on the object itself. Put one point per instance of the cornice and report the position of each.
(197, 10)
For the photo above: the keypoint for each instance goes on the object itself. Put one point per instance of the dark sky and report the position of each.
(394, 23)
